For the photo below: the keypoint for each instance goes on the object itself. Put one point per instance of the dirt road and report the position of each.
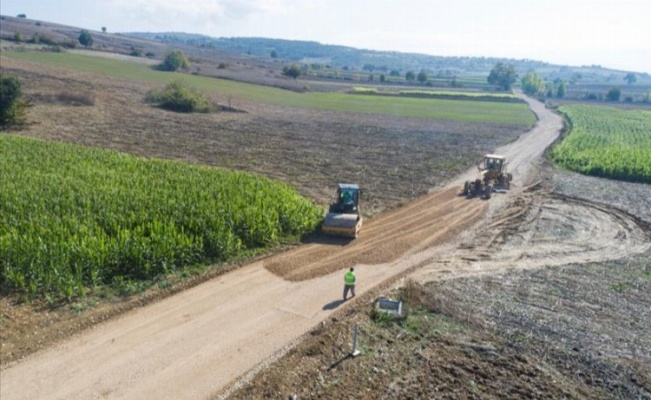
(194, 344)
(534, 228)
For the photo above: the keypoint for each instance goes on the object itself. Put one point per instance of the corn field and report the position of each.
(74, 218)
(607, 142)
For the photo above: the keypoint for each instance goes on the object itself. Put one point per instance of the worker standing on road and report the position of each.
(349, 283)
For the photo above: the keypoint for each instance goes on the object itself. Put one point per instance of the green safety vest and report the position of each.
(349, 278)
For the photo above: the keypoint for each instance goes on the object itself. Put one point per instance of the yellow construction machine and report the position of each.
(344, 217)
(493, 177)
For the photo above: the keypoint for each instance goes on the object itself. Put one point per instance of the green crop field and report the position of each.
(458, 93)
(455, 110)
(607, 142)
(73, 218)
(436, 93)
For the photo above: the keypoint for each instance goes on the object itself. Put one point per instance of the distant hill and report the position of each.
(343, 57)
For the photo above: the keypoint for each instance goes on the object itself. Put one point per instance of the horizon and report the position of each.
(569, 32)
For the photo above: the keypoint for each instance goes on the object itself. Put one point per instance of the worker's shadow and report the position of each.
(333, 304)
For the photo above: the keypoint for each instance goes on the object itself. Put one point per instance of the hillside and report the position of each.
(339, 56)
(380, 61)
(261, 61)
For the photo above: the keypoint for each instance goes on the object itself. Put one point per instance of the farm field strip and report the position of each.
(458, 93)
(457, 110)
(607, 142)
(73, 218)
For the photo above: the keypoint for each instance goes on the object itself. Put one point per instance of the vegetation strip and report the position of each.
(454, 110)
(441, 94)
(607, 142)
(74, 218)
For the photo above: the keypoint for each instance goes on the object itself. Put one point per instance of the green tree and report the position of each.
(422, 76)
(410, 76)
(85, 38)
(503, 76)
(176, 96)
(383, 78)
(18, 37)
(294, 71)
(630, 78)
(614, 94)
(13, 108)
(103, 29)
(174, 61)
(531, 83)
(550, 90)
(21, 16)
(274, 54)
(560, 92)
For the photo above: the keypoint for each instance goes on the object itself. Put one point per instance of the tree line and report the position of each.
(504, 76)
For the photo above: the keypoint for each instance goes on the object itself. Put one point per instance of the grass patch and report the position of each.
(621, 287)
(383, 319)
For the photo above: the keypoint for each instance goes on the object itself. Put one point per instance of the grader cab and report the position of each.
(493, 176)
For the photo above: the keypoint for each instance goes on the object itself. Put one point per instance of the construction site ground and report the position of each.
(545, 300)
(548, 296)
(542, 292)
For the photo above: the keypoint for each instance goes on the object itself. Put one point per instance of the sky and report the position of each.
(611, 33)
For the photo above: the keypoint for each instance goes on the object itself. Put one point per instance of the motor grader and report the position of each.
(344, 217)
(493, 177)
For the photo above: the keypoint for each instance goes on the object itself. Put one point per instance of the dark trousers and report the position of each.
(347, 288)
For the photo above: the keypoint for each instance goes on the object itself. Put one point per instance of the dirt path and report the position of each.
(540, 230)
(194, 344)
